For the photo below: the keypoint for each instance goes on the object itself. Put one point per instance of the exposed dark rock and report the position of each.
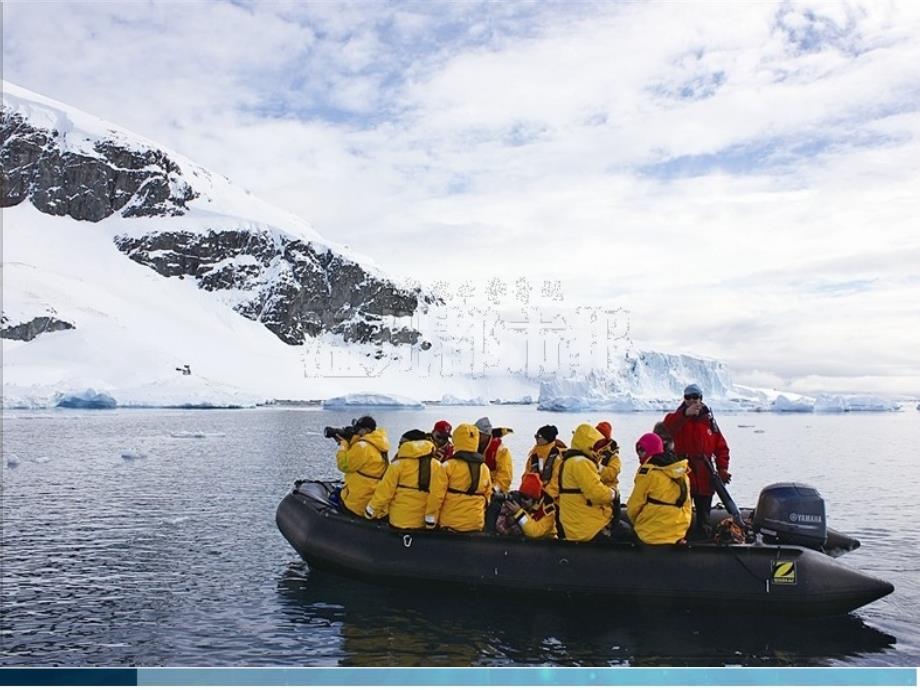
(63, 183)
(295, 288)
(33, 328)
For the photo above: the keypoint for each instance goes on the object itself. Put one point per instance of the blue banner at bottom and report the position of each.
(531, 676)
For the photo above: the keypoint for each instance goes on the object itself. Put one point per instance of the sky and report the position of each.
(744, 178)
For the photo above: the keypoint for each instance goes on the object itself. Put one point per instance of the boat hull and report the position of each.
(777, 579)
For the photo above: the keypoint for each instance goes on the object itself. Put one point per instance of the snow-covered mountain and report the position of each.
(268, 265)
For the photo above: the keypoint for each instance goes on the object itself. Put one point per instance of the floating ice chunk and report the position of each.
(88, 399)
(197, 434)
(43, 460)
(855, 403)
(449, 399)
(759, 431)
(380, 400)
(12, 461)
(525, 400)
(132, 455)
(789, 404)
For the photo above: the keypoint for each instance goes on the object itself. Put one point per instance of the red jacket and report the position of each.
(696, 438)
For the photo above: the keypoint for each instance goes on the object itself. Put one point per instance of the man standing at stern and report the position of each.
(697, 437)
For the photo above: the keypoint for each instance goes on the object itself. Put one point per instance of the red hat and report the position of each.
(531, 485)
(443, 427)
(650, 443)
(606, 428)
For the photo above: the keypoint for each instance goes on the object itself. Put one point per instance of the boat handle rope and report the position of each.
(750, 572)
(407, 540)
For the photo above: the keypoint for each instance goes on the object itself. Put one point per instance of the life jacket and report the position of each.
(552, 457)
(424, 474)
(490, 454)
(663, 460)
(474, 462)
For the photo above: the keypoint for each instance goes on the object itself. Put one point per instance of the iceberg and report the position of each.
(854, 403)
(785, 403)
(132, 454)
(86, 400)
(525, 400)
(451, 400)
(376, 400)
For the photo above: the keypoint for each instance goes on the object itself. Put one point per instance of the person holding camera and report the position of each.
(529, 511)
(362, 456)
(697, 437)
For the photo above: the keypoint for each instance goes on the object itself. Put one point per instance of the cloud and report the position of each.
(741, 176)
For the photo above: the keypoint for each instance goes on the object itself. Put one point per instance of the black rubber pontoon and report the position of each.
(768, 578)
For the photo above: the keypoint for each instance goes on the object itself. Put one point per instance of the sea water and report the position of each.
(148, 538)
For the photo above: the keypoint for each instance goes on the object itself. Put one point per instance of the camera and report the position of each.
(345, 432)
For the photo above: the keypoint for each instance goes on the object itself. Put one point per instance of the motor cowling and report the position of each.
(790, 513)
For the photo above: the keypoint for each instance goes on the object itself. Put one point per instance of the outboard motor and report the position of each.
(790, 513)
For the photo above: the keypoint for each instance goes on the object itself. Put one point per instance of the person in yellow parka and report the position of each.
(608, 457)
(544, 458)
(585, 505)
(495, 455)
(660, 507)
(363, 459)
(406, 492)
(460, 502)
(534, 511)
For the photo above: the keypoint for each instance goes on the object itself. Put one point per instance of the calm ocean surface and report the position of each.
(174, 559)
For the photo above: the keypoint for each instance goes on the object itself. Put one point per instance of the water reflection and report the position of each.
(385, 626)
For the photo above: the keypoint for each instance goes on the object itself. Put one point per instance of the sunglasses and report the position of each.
(693, 397)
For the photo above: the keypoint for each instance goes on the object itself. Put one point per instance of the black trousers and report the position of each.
(703, 506)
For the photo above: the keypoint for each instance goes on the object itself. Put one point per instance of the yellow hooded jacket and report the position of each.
(363, 460)
(399, 493)
(460, 505)
(609, 465)
(660, 507)
(585, 504)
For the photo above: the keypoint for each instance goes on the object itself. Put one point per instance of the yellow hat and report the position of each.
(466, 438)
(585, 437)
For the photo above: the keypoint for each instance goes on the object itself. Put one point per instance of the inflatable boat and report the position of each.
(778, 578)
